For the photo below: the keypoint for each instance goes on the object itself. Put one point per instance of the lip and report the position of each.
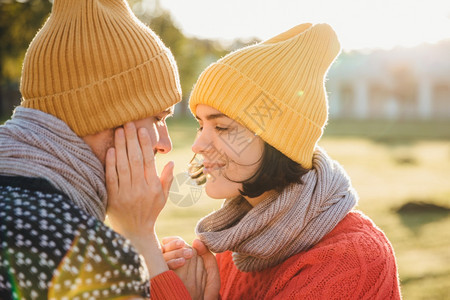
(209, 167)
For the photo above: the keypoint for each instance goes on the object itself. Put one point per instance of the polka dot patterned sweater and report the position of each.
(354, 261)
(50, 249)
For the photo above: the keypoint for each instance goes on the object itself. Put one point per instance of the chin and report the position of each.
(213, 192)
(222, 190)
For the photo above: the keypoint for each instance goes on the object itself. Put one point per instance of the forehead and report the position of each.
(202, 111)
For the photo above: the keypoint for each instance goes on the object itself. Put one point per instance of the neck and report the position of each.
(256, 200)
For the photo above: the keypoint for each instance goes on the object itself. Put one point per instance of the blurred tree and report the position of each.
(19, 21)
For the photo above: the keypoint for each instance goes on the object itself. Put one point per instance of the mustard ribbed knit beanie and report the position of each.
(275, 88)
(95, 66)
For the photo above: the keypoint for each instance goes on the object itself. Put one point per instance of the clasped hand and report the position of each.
(177, 258)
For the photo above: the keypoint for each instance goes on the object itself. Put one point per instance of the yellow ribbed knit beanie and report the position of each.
(275, 88)
(95, 66)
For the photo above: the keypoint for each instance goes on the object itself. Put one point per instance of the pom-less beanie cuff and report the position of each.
(111, 102)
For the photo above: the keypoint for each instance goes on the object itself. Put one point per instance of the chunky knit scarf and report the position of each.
(36, 144)
(285, 224)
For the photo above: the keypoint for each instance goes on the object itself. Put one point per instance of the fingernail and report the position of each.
(187, 252)
(179, 243)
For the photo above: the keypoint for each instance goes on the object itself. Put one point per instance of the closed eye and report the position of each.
(221, 129)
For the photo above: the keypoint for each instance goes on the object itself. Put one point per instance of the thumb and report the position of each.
(212, 270)
(200, 247)
(167, 178)
(209, 259)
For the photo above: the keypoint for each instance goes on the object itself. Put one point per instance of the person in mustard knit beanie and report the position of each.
(288, 228)
(95, 82)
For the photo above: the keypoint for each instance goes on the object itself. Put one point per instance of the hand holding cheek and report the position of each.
(136, 195)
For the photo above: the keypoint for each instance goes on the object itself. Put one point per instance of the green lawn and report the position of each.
(391, 164)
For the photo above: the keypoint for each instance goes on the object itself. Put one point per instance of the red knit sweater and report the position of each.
(168, 286)
(354, 261)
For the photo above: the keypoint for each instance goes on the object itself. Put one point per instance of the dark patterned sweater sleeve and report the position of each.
(50, 249)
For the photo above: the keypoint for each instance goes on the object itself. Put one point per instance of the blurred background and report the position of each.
(389, 100)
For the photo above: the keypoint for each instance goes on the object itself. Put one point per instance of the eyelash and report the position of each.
(219, 129)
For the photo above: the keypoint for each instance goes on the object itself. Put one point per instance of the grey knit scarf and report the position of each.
(285, 224)
(36, 144)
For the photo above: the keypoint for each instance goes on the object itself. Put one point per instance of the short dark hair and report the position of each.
(275, 172)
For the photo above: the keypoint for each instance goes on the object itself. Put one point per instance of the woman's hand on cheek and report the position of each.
(136, 195)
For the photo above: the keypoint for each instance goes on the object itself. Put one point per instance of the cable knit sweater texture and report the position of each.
(354, 261)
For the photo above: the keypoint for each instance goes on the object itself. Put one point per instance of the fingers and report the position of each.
(212, 269)
(204, 277)
(176, 263)
(123, 168)
(179, 253)
(167, 178)
(112, 183)
(148, 155)
(172, 243)
(134, 152)
(201, 273)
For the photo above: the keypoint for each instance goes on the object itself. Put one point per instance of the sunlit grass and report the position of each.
(387, 177)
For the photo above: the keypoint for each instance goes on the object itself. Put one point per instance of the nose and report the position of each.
(163, 141)
(202, 143)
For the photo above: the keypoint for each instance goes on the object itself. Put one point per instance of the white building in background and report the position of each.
(403, 83)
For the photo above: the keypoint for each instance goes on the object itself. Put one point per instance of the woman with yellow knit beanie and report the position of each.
(288, 228)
